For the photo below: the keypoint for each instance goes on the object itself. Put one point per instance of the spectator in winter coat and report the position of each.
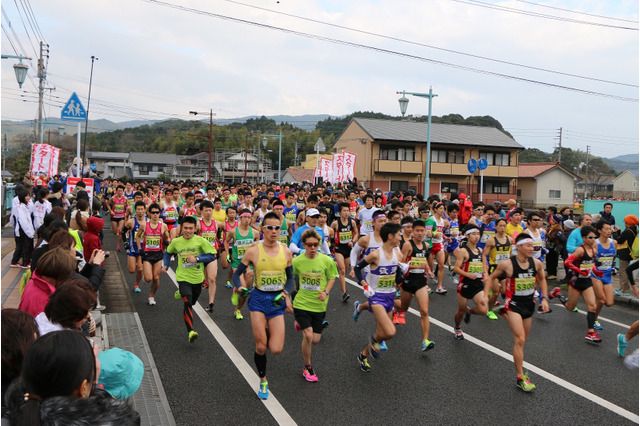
(575, 239)
(56, 196)
(625, 242)
(91, 240)
(23, 230)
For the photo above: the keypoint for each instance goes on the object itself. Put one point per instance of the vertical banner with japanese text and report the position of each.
(326, 169)
(349, 164)
(338, 168)
(44, 158)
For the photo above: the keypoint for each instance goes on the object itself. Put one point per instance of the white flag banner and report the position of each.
(55, 159)
(326, 169)
(317, 172)
(44, 158)
(338, 168)
(349, 165)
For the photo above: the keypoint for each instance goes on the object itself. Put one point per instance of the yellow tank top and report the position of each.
(499, 251)
(75, 235)
(269, 272)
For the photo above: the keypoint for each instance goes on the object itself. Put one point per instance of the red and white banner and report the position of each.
(73, 181)
(326, 169)
(44, 158)
(338, 168)
(349, 164)
(317, 172)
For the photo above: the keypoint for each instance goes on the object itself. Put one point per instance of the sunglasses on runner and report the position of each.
(271, 227)
(312, 244)
(155, 212)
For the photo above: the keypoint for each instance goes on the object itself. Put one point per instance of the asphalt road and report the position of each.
(458, 382)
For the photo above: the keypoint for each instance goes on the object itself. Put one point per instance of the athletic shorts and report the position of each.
(606, 279)
(414, 282)
(492, 268)
(117, 219)
(384, 299)
(468, 289)
(580, 284)
(436, 248)
(525, 306)
(152, 257)
(450, 247)
(344, 250)
(260, 301)
(308, 319)
(190, 291)
(170, 226)
(132, 253)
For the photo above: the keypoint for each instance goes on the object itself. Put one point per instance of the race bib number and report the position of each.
(525, 286)
(118, 208)
(290, 216)
(345, 237)
(475, 268)
(486, 235)
(454, 231)
(537, 245)
(501, 256)
(271, 281)
(283, 236)
(586, 266)
(386, 281)
(152, 242)
(310, 281)
(210, 237)
(185, 263)
(368, 225)
(171, 215)
(415, 261)
(606, 263)
(242, 246)
(130, 202)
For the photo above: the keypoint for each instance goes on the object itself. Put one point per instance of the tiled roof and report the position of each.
(300, 175)
(531, 170)
(103, 155)
(454, 134)
(153, 158)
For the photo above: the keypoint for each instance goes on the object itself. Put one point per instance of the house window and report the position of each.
(144, 169)
(496, 158)
(399, 185)
(394, 153)
(553, 193)
(496, 187)
(448, 187)
(635, 183)
(447, 156)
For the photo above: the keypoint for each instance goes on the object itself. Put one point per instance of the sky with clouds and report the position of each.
(160, 60)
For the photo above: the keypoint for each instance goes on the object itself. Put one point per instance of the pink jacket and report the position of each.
(36, 295)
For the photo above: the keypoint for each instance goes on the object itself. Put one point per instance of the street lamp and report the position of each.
(19, 68)
(403, 101)
(264, 142)
(210, 136)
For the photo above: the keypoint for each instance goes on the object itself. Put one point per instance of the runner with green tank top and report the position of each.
(239, 240)
(284, 234)
(315, 274)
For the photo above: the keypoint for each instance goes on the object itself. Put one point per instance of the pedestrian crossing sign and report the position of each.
(73, 109)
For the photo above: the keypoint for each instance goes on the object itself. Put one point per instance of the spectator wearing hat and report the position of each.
(625, 242)
(499, 212)
(121, 372)
(511, 206)
(466, 209)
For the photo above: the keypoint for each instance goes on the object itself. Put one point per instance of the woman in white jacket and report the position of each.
(23, 231)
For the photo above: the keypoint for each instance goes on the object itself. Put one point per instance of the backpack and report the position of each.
(634, 248)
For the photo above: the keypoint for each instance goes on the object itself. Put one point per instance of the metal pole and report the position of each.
(315, 179)
(86, 121)
(41, 77)
(210, 141)
(246, 150)
(426, 165)
(78, 150)
(481, 183)
(280, 156)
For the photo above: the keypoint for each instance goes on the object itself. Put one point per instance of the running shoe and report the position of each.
(429, 290)
(592, 336)
(364, 363)
(238, 314)
(552, 277)
(309, 374)
(575, 310)
(118, 248)
(356, 311)
(398, 294)
(375, 347)
(459, 334)
(396, 318)
(383, 346)
(402, 318)
(441, 290)
(543, 312)
(616, 291)
(205, 284)
(234, 299)
(17, 265)
(192, 336)
(325, 324)
(28, 266)
(263, 390)
(562, 298)
(345, 297)
(209, 307)
(136, 289)
(467, 316)
(229, 285)
(597, 326)
(296, 325)
(524, 383)
(622, 344)
(427, 344)
(631, 361)
(491, 315)
(177, 295)
(152, 301)
(554, 293)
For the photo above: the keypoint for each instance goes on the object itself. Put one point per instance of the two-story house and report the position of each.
(625, 186)
(143, 165)
(392, 155)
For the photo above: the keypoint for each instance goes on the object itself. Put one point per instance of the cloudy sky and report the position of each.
(160, 60)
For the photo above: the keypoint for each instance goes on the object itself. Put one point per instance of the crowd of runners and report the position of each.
(281, 249)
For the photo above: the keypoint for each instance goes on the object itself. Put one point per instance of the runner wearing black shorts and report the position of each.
(346, 235)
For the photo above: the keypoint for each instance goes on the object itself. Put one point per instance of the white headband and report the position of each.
(525, 241)
(472, 230)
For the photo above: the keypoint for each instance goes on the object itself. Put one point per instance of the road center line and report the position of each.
(272, 404)
(539, 371)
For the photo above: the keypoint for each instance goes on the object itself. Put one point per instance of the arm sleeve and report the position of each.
(206, 257)
(355, 252)
(325, 247)
(166, 259)
(290, 281)
(294, 248)
(358, 269)
(569, 263)
(235, 278)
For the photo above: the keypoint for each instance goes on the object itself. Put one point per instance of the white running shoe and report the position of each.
(152, 301)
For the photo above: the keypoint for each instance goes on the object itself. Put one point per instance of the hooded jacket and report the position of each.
(36, 295)
(92, 237)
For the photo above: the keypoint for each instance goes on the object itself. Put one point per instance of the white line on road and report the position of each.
(272, 404)
(600, 318)
(539, 371)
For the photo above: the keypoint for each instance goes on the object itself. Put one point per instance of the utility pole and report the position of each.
(86, 122)
(246, 150)
(295, 155)
(586, 175)
(42, 76)
(560, 146)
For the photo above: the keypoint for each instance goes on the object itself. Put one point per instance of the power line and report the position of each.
(25, 29)
(539, 15)
(29, 9)
(430, 46)
(606, 136)
(388, 51)
(575, 11)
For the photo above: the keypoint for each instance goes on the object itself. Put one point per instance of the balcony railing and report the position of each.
(392, 166)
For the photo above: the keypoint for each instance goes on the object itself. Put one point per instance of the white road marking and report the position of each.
(272, 404)
(600, 318)
(539, 371)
